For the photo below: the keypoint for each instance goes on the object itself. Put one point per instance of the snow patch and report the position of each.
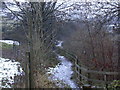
(59, 44)
(10, 42)
(9, 69)
(63, 72)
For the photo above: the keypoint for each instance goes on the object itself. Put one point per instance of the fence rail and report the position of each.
(97, 72)
(80, 70)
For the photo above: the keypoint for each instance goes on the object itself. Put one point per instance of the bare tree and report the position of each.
(38, 24)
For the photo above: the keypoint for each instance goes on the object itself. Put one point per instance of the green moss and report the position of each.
(5, 45)
(115, 85)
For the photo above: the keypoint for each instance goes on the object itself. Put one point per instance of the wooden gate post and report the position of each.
(29, 69)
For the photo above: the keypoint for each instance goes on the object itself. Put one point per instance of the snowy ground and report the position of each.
(10, 42)
(59, 44)
(62, 72)
(9, 69)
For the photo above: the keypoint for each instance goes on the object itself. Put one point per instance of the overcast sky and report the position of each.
(68, 0)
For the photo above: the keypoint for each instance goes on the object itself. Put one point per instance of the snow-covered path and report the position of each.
(62, 72)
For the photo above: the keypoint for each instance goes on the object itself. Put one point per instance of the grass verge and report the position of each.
(5, 45)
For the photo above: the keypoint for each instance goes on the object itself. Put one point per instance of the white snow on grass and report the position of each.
(62, 72)
(10, 42)
(59, 44)
(9, 69)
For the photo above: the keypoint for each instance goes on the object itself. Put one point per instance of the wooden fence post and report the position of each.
(76, 69)
(29, 69)
(105, 79)
(88, 76)
(75, 65)
(80, 73)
